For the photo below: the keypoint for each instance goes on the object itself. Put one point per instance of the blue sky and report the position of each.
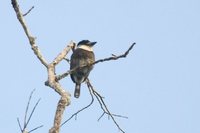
(157, 86)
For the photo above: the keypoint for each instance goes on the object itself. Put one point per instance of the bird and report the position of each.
(83, 55)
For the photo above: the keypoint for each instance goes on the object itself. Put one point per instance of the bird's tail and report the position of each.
(77, 91)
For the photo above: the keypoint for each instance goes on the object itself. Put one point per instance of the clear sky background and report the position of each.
(157, 86)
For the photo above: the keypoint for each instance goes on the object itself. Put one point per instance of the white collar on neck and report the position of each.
(85, 47)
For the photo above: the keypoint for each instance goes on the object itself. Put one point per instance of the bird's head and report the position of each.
(86, 45)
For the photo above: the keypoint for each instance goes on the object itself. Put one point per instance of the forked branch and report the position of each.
(53, 79)
(65, 96)
(26, 121)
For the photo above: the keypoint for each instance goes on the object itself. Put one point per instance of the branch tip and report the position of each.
(28, 11)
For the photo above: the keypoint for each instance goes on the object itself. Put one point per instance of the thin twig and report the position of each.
(101, 98)
(35, 128)
(101, 115)
(28, 11)
(32, 111)
(19, 125)
(27, 107)
(115, 57)
(108, 112)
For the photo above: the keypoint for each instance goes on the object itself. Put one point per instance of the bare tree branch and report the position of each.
(27, 107)
(115, 57)
(52, 82)
(35, 128)
(19, 125)
(28, 34)
(104, 107)
(65, 96)
(32, 112)
(26, 122)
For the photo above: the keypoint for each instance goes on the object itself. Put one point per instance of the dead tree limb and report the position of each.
(65, 96)
(31, 39)
(53, 79)
(114, 57)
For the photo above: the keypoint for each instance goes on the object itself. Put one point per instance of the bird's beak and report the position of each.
(92, 43)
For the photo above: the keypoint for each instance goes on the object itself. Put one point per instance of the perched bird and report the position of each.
(82, 56)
